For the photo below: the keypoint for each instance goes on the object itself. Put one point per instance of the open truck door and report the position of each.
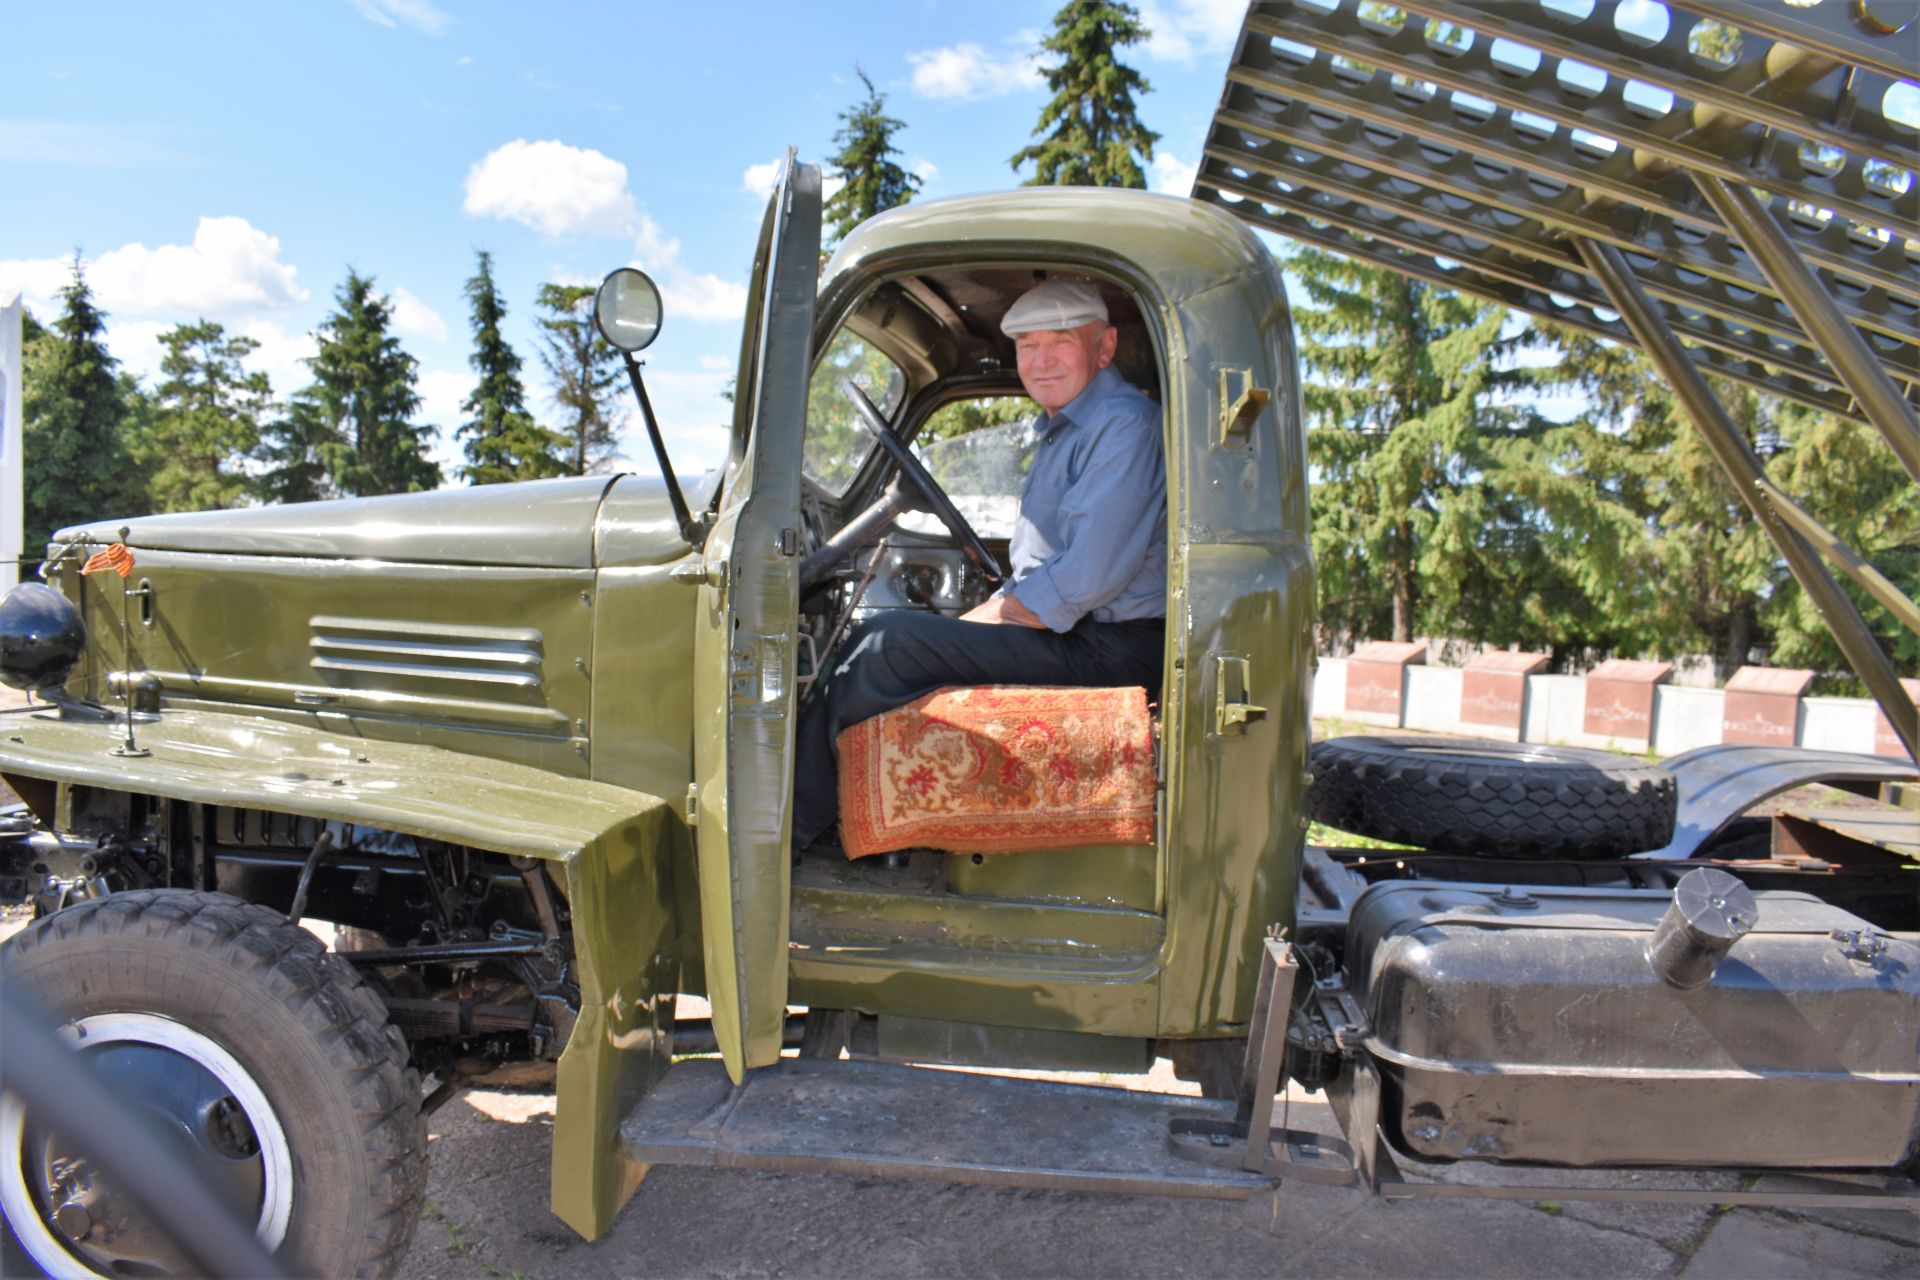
(744, 642)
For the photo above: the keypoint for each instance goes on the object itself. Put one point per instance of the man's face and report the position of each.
(1057, 364)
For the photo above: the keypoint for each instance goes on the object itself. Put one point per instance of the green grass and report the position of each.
(1328, 837)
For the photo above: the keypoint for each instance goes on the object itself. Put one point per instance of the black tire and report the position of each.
(321, 1075)
(1492, 799)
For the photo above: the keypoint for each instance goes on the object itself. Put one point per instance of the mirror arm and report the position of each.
(694, 531)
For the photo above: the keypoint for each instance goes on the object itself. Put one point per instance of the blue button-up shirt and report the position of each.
(1091, 540)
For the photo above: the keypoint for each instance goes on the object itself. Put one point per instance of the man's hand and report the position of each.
(1003, 608)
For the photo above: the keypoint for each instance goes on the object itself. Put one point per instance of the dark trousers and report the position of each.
(895, 657)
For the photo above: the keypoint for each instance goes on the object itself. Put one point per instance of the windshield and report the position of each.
(837, 444)
(982, 471)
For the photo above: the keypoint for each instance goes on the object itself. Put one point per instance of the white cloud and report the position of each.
(441, 392)
(758, 180)
(421, 15)
(653, 249)
(925, 170)
(1172, 174)
(231, 267)
(967, 72)
(464, 60)
(1184, 30)
(282, 356)
(830, 184)
(716, 364)
(553, 188)
(410, 315)
(702, 296)
(38, 280)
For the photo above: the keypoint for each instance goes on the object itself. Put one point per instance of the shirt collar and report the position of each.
(1076, 408)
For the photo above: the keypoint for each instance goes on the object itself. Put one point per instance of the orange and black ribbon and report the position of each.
(115, 557)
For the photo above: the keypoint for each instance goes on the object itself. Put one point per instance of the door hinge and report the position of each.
(696, 574)
(1233, 709)
(789, 543)
(693, 804)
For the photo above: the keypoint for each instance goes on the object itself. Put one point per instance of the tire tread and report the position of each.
(328, 998)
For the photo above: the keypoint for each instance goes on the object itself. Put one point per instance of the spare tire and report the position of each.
(1492, 799)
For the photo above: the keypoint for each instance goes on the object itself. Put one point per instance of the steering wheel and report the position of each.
(917, 474)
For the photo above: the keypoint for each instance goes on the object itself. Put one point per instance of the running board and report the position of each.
(808, 1115)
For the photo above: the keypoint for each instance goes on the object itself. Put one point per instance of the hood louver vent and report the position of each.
(423, 657)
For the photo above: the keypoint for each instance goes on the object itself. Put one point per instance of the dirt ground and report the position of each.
(487, 1217)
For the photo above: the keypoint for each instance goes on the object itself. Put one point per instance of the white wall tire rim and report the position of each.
(51, 1251)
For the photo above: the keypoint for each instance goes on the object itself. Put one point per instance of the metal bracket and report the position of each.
(1233, 709)
(1240, 404)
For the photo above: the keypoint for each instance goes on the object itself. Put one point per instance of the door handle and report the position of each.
(1233, 708)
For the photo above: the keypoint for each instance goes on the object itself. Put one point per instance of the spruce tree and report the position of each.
(585, 371)
(504, 443)
(206, 418)
(872, 182)
(1656, 535)
(351, 430)
(75, 411)
(1090, 133)
(1411, 404)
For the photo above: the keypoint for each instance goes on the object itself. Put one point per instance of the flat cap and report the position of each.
(1057, 304)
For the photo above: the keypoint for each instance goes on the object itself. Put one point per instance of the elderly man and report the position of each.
(1086, 602)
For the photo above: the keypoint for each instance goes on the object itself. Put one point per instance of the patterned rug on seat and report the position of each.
(1000, 769)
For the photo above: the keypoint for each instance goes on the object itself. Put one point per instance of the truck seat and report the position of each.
(1000, 769)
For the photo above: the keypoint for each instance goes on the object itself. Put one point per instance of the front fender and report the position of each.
(615, 846)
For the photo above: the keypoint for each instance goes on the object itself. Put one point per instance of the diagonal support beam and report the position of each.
(1737, 459)
(1856, 366)
(1870, 579)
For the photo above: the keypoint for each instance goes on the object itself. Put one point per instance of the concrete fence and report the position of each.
(1621, 705)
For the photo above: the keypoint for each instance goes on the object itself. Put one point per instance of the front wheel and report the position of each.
(267, 1056)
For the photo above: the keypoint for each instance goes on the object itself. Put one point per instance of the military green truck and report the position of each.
(528, 750)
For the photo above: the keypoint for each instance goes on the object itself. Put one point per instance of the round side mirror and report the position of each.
(627, 309)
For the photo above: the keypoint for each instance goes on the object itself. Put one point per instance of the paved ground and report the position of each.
(488, 1218)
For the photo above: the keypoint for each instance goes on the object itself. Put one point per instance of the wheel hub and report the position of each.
(197, 1095)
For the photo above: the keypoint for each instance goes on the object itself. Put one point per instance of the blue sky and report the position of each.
(231, 161)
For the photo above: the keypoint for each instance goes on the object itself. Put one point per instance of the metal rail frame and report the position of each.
(1754, 215)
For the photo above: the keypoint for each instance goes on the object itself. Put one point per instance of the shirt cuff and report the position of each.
(1037, 592)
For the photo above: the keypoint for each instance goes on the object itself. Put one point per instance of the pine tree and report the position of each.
(585, 372)
(206, 418)
(1844, 473)
(1666, 546)
(1090, 133)
(503, 441)
(873, 183)
(75, 411)
(1410, 398)
(351, 431)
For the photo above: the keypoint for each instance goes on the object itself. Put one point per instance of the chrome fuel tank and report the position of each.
(1527, 1025)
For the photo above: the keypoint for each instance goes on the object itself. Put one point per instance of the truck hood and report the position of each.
(533, 524)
